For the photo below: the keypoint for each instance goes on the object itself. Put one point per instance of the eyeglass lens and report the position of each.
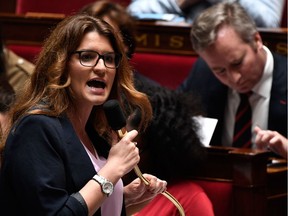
(91, 58)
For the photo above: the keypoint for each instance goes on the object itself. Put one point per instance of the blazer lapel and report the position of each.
(79, 164)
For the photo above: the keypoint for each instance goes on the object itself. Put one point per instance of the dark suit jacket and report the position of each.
(202, 81)
(44, 163)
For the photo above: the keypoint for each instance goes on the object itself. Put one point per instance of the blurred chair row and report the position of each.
(50, 6)
(67, 6)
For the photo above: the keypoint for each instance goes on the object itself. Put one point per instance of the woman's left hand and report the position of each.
(137, 192)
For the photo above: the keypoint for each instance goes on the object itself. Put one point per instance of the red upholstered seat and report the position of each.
(28, 52)
(168, 70)
(188, 193)
(220, 194)
(55, 6)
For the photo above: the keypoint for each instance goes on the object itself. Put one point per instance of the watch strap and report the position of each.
(102, 181)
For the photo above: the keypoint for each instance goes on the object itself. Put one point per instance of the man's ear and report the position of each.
(258, 43)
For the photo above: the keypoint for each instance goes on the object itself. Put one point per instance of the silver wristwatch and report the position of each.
(106, 186)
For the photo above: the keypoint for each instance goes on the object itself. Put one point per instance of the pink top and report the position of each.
(112, 206)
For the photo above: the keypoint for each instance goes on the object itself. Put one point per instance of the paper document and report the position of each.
(206, 130)
(153, 16)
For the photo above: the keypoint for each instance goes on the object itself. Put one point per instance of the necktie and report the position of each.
(243, 120)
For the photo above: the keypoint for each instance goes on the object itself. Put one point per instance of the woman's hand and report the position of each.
(137, 192)
(124, 155)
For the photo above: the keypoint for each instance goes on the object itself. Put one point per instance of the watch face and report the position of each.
(108, 188)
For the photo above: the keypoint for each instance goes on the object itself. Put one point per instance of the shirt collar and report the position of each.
(263, 87)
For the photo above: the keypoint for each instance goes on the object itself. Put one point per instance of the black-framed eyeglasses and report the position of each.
(90, 58)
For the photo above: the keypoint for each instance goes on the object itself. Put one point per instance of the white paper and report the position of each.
(153, 16)
(206, 130)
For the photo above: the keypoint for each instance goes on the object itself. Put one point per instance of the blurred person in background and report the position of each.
(17, 69)
(266, 13)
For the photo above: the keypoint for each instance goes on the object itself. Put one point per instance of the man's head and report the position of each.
(228, 40)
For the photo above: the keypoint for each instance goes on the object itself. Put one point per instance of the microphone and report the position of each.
(117, 122)
(115, 117)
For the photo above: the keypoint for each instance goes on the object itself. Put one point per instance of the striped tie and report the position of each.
(243, 120)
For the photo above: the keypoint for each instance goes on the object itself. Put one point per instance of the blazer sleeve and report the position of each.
(213, 94)
(33, 175)
(277, 118)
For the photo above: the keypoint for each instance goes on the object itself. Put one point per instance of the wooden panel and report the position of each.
(8, 6)
(28, 29)
(163, 37)
(152, 37)
(259, 187)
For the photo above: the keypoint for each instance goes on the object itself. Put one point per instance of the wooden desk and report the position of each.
(152, 37)
(164, 37)
(27, 29)
(8, 6)
(258, 189)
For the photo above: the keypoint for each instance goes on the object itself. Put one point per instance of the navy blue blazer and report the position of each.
(202, 82)
(44, 163)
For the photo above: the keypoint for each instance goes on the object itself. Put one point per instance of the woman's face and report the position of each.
(91, 84)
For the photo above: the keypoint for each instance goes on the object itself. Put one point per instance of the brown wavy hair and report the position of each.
(48, 91)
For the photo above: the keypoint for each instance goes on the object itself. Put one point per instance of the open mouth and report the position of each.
(96, 84)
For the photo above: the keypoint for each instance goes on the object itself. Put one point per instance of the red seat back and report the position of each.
(168, 70)
(55, 6)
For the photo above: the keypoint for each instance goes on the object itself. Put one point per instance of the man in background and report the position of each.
(265, 13)
(234, 61)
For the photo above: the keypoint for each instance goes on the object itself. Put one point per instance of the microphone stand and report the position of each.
(146, 182)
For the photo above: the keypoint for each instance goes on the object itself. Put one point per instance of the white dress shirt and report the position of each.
(259, 101)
